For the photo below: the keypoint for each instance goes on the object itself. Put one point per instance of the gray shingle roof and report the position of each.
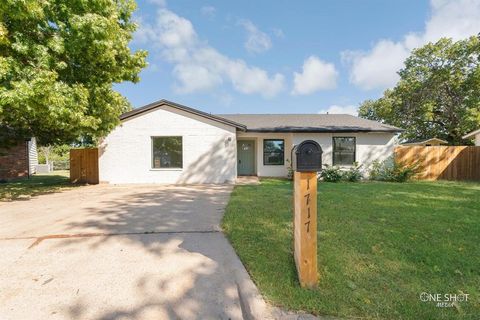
(308, 123)
(278, 122)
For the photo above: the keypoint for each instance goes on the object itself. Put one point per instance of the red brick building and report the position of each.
(18, 161)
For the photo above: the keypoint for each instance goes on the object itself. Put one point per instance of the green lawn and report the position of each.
(37, 184)
(380, 245)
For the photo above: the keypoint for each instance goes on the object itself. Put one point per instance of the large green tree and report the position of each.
(59, 60)
(438, 94)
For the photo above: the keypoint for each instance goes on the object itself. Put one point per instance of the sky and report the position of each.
(281, 56)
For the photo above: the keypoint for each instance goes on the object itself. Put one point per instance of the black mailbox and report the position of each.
(308, 157)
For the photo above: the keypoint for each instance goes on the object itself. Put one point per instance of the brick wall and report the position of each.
(208, 153)
(14, 162)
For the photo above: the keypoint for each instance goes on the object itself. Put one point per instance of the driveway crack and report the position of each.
(38, 240)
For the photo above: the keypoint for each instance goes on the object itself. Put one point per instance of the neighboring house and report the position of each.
(165, 142)
(474, 134)
(19, 160)
(426, 143)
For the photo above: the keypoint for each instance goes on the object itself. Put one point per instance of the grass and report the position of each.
(36, 185)
(380, 245)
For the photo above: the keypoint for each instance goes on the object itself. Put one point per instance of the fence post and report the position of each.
(305, 228)
(307, 162)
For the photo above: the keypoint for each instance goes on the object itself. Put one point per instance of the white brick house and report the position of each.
(165, 142)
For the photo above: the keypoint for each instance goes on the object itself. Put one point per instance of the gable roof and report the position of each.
(471, 134)
(163, 102)
(308, 123)
(423, 141)
(278, 122)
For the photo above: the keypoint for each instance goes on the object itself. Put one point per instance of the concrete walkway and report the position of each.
(247, 180)
(123, 252)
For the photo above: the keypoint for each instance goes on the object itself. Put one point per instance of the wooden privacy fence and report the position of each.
(84, 166)
(442, 162)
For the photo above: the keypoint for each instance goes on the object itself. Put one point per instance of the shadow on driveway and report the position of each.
(123, 252)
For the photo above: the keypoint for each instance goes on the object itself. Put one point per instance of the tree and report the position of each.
(438, 94)
(59, 60)
(50, 153)
(44, 153)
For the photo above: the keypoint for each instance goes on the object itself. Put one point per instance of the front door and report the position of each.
(246, 157)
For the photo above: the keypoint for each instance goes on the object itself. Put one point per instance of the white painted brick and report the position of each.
(208, 156)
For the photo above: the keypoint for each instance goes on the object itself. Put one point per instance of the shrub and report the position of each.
(392, 170)
(402, 173)
(61, 165)
(331, 173)
(353, 174)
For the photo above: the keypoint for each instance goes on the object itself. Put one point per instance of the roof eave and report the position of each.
(321, 130)
(471, 134)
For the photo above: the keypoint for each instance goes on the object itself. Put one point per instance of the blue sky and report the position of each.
(284, 56)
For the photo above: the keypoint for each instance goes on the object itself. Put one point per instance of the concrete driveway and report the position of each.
(122, 252)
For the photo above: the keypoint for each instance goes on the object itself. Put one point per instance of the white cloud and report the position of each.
(200, 67)
(378, 67)
(194, 77)
(142, 33)
(208, 11)
(316, 75)
(174, 31)
(257, 40)
(457, 19)
(336, 109)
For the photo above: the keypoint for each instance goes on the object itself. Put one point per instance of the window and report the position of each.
(167, 152)
(273, 151)
(343, 150)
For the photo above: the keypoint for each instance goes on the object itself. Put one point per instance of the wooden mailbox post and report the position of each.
(308, 161)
